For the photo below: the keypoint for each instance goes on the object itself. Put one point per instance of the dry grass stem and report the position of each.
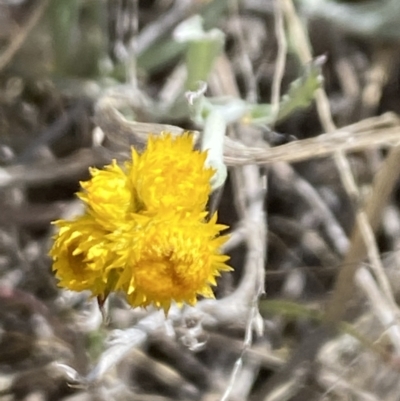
(7, 55)
(280, 57)
(362, 218)
(382, 188)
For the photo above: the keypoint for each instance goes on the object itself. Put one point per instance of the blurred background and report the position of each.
(297, 83)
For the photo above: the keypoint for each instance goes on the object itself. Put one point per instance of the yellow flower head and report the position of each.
(144, 230)
(108, 195)
(169, 174)
(172, 257)
(80, 253)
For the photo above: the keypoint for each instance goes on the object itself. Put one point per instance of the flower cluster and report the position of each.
(144, 231)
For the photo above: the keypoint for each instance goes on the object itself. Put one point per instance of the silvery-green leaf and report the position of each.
(299, 96)
(301, 91)
(202, 50)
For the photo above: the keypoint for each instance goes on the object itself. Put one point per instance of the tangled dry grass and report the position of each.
(311, 310)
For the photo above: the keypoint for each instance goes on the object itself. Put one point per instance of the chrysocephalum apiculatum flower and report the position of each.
(171, 175)
(109, 196)
(144, 231)
(172, 256)
(80, 251)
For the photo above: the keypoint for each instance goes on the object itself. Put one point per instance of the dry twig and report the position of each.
(22, 34)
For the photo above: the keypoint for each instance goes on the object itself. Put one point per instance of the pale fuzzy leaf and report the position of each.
(301, 91)
(299, 96)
